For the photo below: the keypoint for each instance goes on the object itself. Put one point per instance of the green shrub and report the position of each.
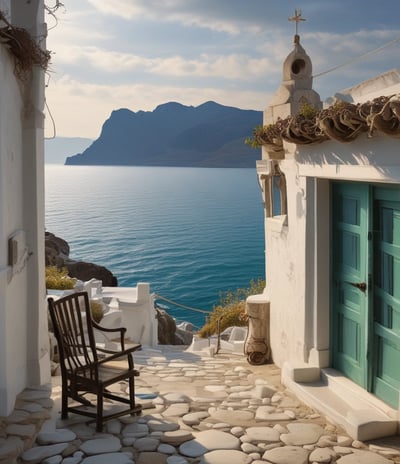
(96, 309)
(58, 279)
(308, 111)
(231, 309)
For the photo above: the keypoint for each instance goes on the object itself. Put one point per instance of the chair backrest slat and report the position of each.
(73, 329)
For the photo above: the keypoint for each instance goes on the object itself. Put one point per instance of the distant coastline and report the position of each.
(175, 135)
(57, 149)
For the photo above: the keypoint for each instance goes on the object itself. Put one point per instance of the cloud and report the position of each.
(108, 61)
(123, 8)
(353, 53)
(229, 67)
(77, 24)
(256, 16)
(218, 16)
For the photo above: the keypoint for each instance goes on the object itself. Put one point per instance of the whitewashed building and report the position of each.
(24, 353)
(331, 187)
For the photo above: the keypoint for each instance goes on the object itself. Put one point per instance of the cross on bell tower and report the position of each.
(297, 19)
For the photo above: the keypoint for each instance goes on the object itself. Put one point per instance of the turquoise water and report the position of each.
(189, 232)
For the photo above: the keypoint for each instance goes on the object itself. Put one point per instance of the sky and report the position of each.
(138, 54)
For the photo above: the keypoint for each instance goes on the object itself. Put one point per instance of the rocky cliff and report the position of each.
(57, 254)
(209, 135)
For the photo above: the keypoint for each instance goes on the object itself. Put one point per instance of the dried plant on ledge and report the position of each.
(387, 120)
(25, 50)
(342, 122)
(302, 128)
(268, 136)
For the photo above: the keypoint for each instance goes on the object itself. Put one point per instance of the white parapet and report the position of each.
(93, 287)
(136, 307)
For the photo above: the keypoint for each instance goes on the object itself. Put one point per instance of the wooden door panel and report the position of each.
(349, 242)
(349, 342)
(387, 376)
(386, 325)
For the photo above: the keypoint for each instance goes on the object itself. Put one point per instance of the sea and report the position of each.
(192, 233)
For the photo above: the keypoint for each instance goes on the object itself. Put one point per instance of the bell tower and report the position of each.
(296, 87)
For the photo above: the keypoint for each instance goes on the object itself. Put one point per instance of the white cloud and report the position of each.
(233, 66)
(187, 12)
(352, 52)
(127, 9)
(322, 47)
(108, 61)
(229, 67)
(74, 26)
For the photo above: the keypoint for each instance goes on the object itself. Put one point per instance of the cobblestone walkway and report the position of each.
(197, 409)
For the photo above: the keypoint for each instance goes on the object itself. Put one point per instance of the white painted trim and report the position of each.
(360, 173)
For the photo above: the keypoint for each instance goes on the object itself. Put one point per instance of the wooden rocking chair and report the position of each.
(85, 368)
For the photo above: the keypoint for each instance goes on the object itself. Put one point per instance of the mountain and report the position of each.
(58, 148)
(209, 135)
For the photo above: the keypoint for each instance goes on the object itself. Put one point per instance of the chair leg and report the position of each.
(64, 400)
(99, 417)
(132, 392)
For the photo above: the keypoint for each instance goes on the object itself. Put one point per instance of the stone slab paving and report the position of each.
(197, 410)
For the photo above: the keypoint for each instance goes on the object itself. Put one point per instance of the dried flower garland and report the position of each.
(342, 122)
(25, 50)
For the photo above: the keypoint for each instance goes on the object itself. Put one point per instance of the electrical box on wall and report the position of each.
(16, 247)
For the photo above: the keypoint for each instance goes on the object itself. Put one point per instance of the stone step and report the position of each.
(361, 414)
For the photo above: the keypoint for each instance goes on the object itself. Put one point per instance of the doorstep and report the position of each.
(361, 414)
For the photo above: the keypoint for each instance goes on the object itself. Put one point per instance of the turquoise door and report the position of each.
(349, 273)
(386, 295)
(366, 287)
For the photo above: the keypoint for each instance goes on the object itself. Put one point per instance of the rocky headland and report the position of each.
(208, 135)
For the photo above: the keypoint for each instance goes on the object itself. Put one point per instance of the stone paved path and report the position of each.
(197, 409)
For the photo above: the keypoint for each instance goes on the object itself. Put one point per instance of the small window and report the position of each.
(274, 190)
(279, 195)
(276, 195)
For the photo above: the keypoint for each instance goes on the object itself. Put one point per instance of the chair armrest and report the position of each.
(121, 330)
(106, 329)
(112, 357)
(119, 354)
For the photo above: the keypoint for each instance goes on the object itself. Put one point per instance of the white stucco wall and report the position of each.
(297, 246)
(13, 301)
(373, 159)
(285, 242)
(24, 356)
